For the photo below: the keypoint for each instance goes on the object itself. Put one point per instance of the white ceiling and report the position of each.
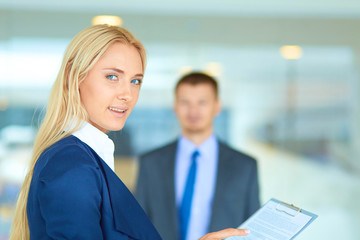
(276, 8)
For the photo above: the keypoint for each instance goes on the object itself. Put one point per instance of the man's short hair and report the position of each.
(196, 78)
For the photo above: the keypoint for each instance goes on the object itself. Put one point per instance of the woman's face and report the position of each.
(110, 90)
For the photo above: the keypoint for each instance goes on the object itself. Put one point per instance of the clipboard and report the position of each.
(276, 220)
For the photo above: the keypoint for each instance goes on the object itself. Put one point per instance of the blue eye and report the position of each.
(111, 77)
(136, 81)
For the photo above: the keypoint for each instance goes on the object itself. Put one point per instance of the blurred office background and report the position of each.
(299, 117)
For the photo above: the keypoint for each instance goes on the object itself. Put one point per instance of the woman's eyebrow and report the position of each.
(115, 69)
(139, 75)
(122, 72)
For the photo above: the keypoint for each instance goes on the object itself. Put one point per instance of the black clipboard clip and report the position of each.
(291, 206)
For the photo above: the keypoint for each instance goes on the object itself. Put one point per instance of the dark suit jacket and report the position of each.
(236, 194)
(75, 195)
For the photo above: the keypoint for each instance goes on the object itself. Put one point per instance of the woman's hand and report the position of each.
(229, 232)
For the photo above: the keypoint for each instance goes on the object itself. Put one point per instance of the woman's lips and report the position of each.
(118, 111)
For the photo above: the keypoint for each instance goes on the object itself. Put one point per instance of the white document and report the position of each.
(276, 221)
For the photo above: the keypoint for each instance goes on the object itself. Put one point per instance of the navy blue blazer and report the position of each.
(75, 195)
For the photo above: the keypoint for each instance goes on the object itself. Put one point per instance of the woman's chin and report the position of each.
(115, 128)
(108, 128)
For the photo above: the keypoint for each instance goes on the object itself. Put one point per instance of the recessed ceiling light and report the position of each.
(107, 19)
(291, 51)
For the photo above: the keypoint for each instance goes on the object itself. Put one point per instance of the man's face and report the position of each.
(196, 107)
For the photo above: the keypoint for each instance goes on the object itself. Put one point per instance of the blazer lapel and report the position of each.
(129, 217)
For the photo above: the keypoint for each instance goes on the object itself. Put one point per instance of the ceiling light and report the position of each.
(291, 51)
(107, 19)
(213, 69)
(185, 70)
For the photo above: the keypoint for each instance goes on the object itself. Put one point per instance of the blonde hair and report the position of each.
(65, 113)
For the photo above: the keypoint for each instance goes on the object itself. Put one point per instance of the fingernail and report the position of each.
(247, 231)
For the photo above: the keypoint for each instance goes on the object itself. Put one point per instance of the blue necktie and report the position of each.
(185, 207)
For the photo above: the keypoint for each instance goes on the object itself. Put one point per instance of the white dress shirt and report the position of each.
(98, 141)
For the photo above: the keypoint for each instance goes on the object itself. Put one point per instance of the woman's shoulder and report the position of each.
(67, 155)
(68, 147)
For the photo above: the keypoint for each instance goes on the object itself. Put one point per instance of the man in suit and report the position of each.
(197, 183)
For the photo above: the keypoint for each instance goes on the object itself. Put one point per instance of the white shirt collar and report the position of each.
(98, 141)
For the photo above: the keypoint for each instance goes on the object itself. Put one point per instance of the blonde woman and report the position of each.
(71, 190)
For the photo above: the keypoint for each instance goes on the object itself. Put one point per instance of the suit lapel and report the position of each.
(221, 187)
(168, 163)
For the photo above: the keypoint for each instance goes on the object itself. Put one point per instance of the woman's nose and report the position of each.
(124, 92)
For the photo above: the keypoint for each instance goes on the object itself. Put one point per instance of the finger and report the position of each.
(229, 232)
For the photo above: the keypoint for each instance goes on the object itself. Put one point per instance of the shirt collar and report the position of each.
(188, 146)
(98, 141)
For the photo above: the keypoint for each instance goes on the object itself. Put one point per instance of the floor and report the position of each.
(326, 189)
